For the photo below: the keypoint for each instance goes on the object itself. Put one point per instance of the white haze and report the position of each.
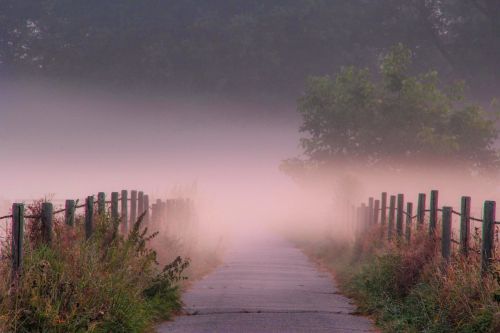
(61, 144)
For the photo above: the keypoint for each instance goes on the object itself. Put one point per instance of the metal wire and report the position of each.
(32, 216)
(475, 219)
(408, 215)
(59, 211)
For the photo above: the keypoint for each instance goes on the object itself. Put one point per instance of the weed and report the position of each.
(109, 283)
(407, 288)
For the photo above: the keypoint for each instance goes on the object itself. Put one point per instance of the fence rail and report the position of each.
(398, 222)
(139, 206)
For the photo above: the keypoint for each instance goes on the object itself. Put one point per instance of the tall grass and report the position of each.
(109, 283)
(408, 287)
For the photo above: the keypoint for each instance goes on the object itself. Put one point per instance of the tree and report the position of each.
(245, 46)
(399, 119)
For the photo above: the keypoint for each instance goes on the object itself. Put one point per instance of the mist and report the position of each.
(60, 143)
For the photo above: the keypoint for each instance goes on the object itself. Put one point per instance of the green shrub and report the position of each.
(409, 289)
(109, 283)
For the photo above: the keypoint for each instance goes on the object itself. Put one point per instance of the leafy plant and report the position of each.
(109, 283)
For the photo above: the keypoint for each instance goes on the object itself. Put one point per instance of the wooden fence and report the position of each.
(171, 209)
(398, 221)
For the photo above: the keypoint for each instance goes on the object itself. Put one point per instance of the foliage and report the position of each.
(407, 289)
(109, 283)
(240, 44)
(402, 118)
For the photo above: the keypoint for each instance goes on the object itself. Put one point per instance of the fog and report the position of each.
(62, 143)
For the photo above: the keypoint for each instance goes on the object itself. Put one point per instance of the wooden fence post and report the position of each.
(163, 211)
(170, 212)
(101, 203)
(17, 236)
(399, 216)
(69, 214)
(124, 212)
(364, 215)
(154, 213)
(409, 217)
(114, 206)
(465, 226)
(353, 218)
(488, 235)
(421, 210)
(159, 211)
(433, 212)
(133, 207)
(370, 210)
(392, 213)
(368, 215)
(383, 209)
(376, 211)
(46, 219)
(140, 203)
(146, 208)
(446, 234)
(357, 222)
(89, 216)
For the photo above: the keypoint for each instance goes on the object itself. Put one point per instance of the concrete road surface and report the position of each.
(266, 285)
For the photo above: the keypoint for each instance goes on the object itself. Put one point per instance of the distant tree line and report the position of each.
(244, 45)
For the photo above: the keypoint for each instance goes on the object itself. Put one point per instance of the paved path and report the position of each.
(266, 285)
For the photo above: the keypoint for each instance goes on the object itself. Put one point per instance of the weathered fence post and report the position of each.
(370, 210)
(69, 214)
(101, 203)
(146, 208)
(364, 215)
(133, 207)
(353, 219)
(465, 226)
(433, 213)
(170, 211)
(399, 216)
(488, 235)
(89, 216)
(140, 204)
(359, 221)
(383, 209)
(392, 213)
(163, 210)
(409, 216)
(17, 236)
(124, 211)
(376, 211)
(446, 234)
(114, 206)
(154, 213)
(159, 211)
(46, 218)
(421, 210)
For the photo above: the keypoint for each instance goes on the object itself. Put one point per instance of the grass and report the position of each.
(408, 288)
(109, 283)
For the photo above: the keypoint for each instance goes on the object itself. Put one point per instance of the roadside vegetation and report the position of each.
(109, 283)
(407, 288)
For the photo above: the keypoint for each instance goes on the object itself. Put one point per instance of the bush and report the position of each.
(409, 289)
(109, 283)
